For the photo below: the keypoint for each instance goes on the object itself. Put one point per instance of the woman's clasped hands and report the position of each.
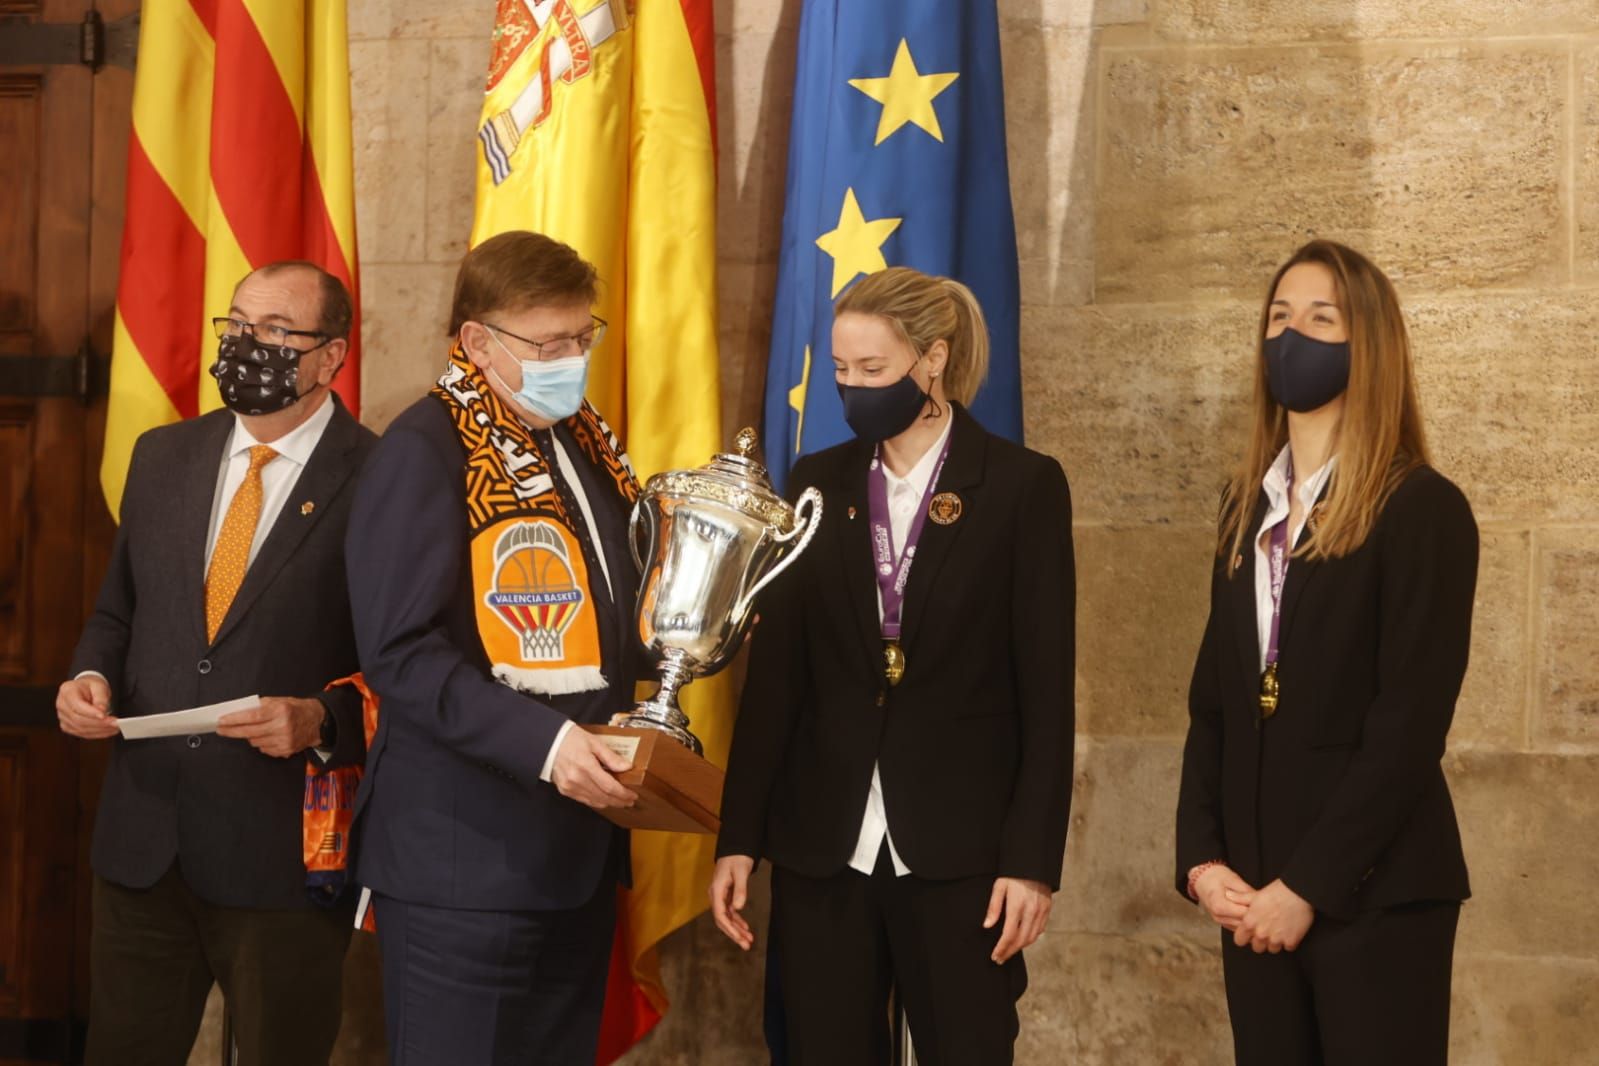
(1273, 919)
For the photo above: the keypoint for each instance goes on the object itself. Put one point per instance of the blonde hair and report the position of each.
(925, 309)
(1379, 439)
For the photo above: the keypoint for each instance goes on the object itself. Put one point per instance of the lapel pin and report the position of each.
(945, 508)
(1314, 519)
(307, 507)
(852, 514)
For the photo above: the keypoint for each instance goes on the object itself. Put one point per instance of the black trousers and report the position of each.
(154, 953)
(495, 988)
(843, 941)
(1370, 992)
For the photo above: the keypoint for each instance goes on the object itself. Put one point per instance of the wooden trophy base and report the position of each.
(678, 791)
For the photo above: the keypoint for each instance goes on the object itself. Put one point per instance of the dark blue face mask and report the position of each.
(882, 413)
(1304, 374)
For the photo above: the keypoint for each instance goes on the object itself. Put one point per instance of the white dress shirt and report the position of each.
(904, 499)
(1276, 485)
(277, 477)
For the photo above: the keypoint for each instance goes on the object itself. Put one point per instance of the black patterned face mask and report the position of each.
(256, 378)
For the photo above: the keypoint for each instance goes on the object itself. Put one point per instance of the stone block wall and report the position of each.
(1165, 156)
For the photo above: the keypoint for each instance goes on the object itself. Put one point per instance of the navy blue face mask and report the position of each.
(1304, 374)
(882, 413)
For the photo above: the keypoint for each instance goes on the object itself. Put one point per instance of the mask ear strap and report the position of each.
(501, 381)
(938, 410)
(493, 336)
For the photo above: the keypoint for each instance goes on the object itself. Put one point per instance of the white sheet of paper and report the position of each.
(184, 723)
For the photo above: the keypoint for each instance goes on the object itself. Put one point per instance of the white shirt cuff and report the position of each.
(549, 760)
(92, 673)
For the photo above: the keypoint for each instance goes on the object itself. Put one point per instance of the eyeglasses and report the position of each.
(561, 347)
(265, 332)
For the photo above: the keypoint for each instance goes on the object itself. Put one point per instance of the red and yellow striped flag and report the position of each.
(598, 129)
(240, 155)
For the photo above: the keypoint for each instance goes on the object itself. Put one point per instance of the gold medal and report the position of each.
(893, 661)
(1268, 691)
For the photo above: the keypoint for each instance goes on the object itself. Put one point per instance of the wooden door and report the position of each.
(64, 119)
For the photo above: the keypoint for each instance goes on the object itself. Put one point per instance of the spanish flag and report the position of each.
(598, 129)
(240, 156)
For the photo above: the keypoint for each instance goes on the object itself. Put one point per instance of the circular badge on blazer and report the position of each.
(945, 508)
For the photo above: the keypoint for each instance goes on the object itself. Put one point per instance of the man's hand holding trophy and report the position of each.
(706, 541)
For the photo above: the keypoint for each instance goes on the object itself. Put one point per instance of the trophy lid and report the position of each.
(735, 479)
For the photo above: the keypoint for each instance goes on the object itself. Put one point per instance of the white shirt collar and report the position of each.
(295, 445)
(920, 474)
(1276, 482)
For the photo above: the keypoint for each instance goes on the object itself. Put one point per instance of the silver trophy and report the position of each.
(714, 538)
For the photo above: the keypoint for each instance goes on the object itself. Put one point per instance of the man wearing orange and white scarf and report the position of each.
(493, 596)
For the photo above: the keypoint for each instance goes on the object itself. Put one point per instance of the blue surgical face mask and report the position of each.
(551, 390)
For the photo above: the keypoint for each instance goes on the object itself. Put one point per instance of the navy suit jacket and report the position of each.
(452, 812)
(1341, 794)
(974, 745)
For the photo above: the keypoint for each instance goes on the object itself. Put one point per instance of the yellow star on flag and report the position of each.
(856, 244)
(796, 400)
(906, 96)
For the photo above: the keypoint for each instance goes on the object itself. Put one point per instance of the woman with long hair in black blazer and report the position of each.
(903, 753)
(1314, 824)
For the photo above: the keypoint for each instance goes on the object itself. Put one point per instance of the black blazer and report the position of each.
(452, 812)
(975, 743)
(1341, 793)
(231, 814)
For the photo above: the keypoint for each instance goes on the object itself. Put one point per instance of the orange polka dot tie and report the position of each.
(231, 557)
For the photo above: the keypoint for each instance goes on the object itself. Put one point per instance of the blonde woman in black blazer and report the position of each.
(1314, 824)
(915, 821)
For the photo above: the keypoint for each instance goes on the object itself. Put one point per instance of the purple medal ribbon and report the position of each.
(1269, 687)
(1279, 570)
(892, 572)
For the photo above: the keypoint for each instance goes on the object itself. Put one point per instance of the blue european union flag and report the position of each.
(896, 158)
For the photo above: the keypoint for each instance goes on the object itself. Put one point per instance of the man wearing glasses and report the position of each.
(493, 591)
(226, 581)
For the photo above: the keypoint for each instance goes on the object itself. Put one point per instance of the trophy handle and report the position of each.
(810, 503)
(632, 531)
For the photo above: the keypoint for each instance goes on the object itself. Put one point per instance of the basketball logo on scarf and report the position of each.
(535, 591)
(530, 574)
